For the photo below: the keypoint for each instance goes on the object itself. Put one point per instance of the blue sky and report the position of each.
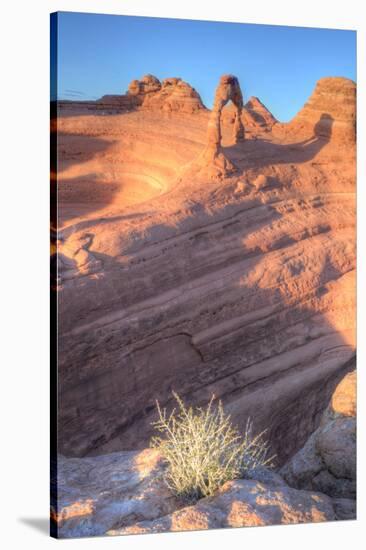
(101, 54)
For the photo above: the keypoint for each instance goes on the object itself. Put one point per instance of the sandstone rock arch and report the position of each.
(227, 90)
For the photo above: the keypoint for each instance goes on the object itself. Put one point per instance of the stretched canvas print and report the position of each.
(203, 275)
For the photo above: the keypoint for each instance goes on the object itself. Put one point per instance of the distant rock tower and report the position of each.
(227, 90)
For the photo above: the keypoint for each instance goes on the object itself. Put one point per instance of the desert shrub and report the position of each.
(203, 450)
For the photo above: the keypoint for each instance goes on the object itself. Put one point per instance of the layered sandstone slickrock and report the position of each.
(242, 503)
(124, 493)
(242, 286)
(147, 85)
(255, 109)
(100, 493)
(327, 462)
(343, 402)
(330, 112)
(256, 118)
(170, 95)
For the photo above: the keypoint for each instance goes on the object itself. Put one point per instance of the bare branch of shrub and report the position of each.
(203, 450)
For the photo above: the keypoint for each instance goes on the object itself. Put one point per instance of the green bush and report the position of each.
(203, 450)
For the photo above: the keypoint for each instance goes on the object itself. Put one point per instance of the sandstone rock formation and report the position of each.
(97, 494)
(147, 85)
(171, 95)
(257, 120)
(213, 158)
(242, 503)
(107, 104)
(327, 462)
(329, 113)
(244, 288)
(255, 110)
(123, 493)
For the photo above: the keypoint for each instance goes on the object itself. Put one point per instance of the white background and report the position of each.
(24, 246)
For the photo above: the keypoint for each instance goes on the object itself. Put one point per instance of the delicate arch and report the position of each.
(227, 90)
(213, 161)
